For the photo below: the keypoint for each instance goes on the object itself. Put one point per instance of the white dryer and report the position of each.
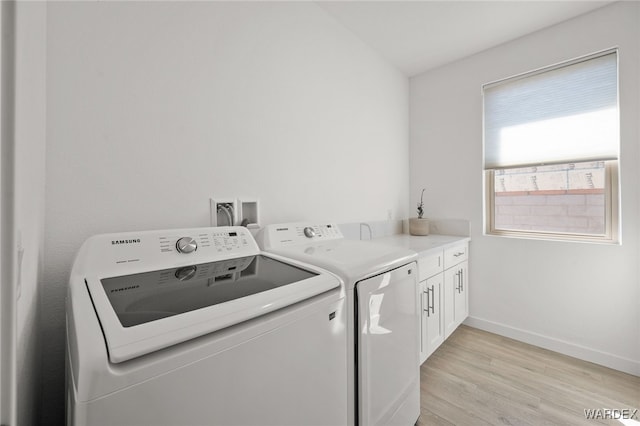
(382, 315)
(198, 327)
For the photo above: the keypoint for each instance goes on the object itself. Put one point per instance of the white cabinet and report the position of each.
(433, 328)
(461, 295)
(430, 269)
(443, 295)
(456, 294)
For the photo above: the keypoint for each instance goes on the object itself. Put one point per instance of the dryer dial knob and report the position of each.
(186, 245)
(309, 232)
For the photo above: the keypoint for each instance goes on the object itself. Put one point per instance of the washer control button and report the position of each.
(309, 232)
(186, 245)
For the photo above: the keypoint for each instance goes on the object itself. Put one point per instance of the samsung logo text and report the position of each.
(134, 241)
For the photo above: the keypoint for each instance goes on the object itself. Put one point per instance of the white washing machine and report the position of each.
(382, 315)
(198, 327)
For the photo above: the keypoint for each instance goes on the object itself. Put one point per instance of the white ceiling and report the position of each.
(419, 35)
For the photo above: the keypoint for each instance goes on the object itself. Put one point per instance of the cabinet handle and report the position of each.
(433, 300)
(461, 280)
(427, 309)
(458, 276)
(458, 254)
(428, 313)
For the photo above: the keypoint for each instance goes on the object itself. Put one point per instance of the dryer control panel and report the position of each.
(282, 235)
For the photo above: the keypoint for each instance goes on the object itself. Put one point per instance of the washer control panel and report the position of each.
(230, 241)
(174, 247)
(273, 236)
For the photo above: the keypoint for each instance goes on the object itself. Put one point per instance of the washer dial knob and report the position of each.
(309, 232)
(186, 273)
(186, 245)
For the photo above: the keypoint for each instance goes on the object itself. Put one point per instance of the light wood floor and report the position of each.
(479, 378)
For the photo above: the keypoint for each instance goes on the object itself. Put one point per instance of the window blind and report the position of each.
(565, 114)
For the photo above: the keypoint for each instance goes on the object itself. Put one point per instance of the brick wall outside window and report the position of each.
(560, 198)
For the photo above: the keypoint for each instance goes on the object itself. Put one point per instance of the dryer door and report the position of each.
(388, 348)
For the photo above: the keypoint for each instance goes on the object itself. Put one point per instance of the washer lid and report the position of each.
(144, 312)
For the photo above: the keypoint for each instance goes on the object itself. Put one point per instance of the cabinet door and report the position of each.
(433, 312)
(449, 289)
(422, 297)
(461, 294)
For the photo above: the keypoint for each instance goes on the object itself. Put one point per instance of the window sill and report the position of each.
(553, 237)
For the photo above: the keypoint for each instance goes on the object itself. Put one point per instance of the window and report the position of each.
(551, 143)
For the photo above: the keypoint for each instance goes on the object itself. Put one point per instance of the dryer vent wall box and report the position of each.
(249, 213)
(175, 316)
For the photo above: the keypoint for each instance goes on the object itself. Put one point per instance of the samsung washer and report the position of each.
(198, 327)
(383, 316)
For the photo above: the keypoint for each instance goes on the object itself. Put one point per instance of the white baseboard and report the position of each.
(577, 351)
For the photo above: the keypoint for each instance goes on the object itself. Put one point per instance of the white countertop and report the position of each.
(422, 244)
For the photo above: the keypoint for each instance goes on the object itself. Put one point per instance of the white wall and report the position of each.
(579, 299)
(7, 287)
(153, 107)
(30, 135)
